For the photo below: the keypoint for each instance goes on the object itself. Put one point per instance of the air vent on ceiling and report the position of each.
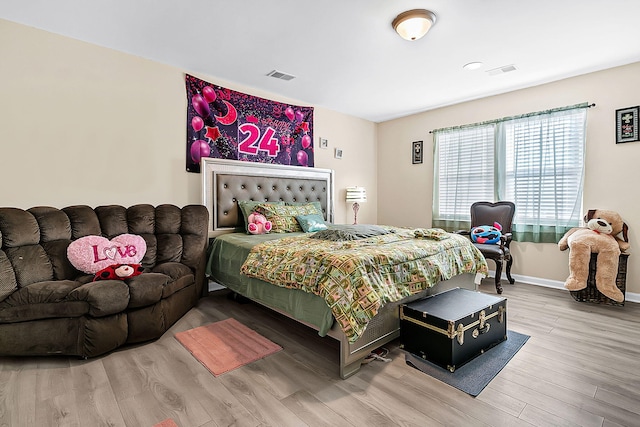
(280, 75)
(502, 70)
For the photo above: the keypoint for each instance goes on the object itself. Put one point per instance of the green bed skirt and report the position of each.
(227, 254)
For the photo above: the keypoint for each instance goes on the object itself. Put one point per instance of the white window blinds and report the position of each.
(536, 161)
(465, 172)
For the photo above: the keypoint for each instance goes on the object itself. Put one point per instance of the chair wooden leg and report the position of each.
(498, 276)
(508, 271)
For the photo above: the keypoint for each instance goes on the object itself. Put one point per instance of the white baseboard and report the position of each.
(628, 297)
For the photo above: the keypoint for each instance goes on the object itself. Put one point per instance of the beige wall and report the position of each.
(82, 124)
(405, 190)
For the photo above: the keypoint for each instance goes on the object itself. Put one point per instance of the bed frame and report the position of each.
(224, 182)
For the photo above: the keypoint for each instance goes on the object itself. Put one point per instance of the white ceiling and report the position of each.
(344, 53)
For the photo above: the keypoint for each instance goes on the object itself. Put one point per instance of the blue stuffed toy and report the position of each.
(488, 234)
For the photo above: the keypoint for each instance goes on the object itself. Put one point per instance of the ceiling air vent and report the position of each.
(280, 75)
(502, 70)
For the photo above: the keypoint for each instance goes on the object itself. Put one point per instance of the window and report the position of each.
(536, 161)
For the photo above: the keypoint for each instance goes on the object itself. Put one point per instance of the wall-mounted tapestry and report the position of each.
(227, 124)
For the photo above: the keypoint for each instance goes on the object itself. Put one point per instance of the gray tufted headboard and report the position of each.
(224, 182)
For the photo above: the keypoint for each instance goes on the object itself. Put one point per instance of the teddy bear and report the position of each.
(258, 224)
(599, 236)
(115, 259)
(119, 272)
(487, 234)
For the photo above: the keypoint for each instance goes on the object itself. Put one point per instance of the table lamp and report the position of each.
(356, 195)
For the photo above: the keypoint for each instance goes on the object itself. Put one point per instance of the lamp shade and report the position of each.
(414, 24)
(356, 194)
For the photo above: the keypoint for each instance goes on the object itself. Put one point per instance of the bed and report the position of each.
(225, 182)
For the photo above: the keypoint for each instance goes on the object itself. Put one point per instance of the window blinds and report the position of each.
(536, 161)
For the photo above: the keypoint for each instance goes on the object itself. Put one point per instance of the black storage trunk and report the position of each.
(453, 327)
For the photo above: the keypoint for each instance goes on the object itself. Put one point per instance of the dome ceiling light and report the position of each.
(414, 24)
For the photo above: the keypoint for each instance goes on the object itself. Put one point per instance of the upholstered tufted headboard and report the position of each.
(224, 182)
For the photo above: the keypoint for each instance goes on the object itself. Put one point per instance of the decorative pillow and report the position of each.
(118, 258)
(317, 204)
(283, 218)
(489, 234)
(311, 223)
(118, 272)
(247, 207)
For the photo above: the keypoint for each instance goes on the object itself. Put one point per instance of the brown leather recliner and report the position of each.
(47, 307)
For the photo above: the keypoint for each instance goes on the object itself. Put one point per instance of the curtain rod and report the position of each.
(504, 119)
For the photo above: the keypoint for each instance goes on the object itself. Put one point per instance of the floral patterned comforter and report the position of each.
(357, 277)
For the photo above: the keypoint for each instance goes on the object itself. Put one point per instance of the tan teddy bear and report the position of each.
(599, 236)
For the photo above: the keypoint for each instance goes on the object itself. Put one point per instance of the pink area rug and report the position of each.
(226, 345)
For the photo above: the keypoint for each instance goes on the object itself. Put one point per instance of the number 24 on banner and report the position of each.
(252, 142)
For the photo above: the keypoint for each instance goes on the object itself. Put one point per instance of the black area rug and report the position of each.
(473, 376)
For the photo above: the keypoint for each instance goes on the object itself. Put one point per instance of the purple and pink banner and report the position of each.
(227, 124)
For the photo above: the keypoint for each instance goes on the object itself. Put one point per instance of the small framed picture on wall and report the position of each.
(417, 152)
(627, 125)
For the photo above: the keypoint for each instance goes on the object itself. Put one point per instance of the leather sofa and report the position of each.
(48, 307)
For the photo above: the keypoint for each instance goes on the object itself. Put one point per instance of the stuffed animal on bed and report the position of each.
(488, 234)
(118, 258)
(258, 224)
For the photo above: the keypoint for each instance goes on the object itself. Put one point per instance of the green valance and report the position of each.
(521, 116)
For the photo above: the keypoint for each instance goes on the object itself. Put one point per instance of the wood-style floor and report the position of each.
(581, 367)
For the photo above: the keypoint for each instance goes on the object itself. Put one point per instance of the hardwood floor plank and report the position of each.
(312, 411)
(609, 423)
(143, 410)
(598, 369)
(548, 363)
(94, 397)
(541, 418)
(125, 378)
(416, 408)
(630, 403)
(257, 399)
(356, 411)
(220, 403)
(546, 396)
(573, 383)
(55, 399)
(502, 402)
(287, 375)
(448, 396)
(194, 380)
(152, 378)
(18, 380)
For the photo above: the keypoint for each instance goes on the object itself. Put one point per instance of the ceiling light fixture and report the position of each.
(414, 24)
(472, 65)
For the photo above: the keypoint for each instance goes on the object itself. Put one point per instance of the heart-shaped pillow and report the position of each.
(91, 254)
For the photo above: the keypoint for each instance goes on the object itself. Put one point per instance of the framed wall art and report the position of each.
(627, 125)
(416, 152)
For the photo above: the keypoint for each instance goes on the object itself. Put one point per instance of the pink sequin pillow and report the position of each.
(92, 254)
